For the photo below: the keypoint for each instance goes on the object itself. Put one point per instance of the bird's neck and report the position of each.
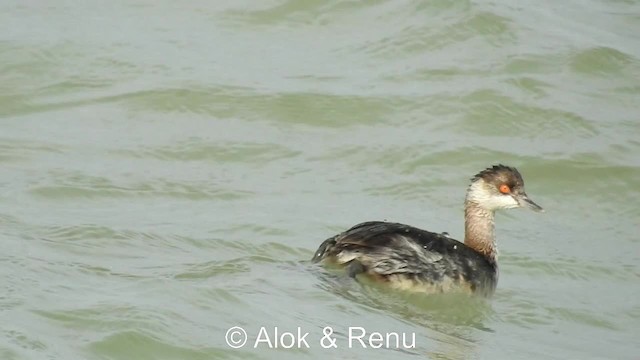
(479, 230)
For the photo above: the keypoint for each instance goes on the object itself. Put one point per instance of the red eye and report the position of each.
(504, 188)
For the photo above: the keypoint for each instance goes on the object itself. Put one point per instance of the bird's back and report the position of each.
(410, 258)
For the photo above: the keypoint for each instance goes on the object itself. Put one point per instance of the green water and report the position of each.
(169, 168)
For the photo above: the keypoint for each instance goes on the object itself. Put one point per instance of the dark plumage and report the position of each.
(409, 258)
(502, 173)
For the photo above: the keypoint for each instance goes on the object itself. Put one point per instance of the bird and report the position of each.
(405, 257)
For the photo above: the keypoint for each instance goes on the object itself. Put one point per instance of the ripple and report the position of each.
(516, 119)
(524, 310)
(137, 344)
(23, 340)
(300, 108)
(289, 13)
(533, 64)
(407, 190)
(78, 185)
(628, 90)
(604, 61)
(433, 165)
(582, 317)
(444, 24)
(83, 232)
(596, 179)
(213, 269)
(569, 268)
(81, 238)
(9, 221)
(255, 229)
(40, 79)
(531, 85)
(9, 354)
(269, 253)
(495, 27)
(396, 157)
(455, 317)
(199, 150)
(12, 150)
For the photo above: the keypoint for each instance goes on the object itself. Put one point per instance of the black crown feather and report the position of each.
(494, 170)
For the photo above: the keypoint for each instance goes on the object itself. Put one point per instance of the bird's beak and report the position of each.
(524, 201)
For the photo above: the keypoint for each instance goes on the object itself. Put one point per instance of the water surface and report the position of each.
(168, 170)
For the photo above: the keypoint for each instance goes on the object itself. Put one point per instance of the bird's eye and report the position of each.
(504, 188)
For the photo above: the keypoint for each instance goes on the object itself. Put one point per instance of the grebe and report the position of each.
(413, 259)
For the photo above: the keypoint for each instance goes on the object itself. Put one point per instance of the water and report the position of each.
(168, 169)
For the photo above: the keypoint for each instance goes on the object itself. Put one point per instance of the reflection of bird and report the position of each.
(413, 259)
